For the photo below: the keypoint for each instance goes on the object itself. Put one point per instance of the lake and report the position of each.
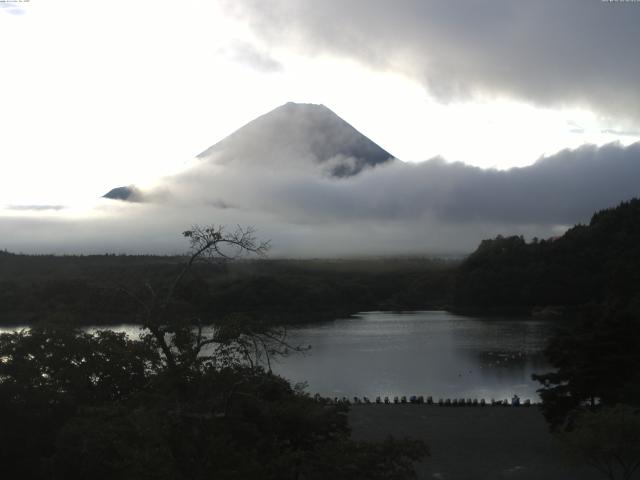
(435, 353)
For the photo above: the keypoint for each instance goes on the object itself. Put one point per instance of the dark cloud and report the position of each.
(561, 189)
(568, 53)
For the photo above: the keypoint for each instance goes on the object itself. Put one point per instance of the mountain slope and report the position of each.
(298, 135)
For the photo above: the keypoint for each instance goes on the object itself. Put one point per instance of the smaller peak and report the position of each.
(129, 193)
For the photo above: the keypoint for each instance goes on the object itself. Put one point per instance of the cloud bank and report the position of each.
(394, 208)
(558, 190)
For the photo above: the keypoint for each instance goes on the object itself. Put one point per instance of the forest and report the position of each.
(90, 290)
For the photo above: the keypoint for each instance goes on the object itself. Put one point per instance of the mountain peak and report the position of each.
(302, 105)
(297, 134)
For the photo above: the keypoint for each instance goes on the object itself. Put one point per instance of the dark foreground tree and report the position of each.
(185, 401)
(597, 363)
(608, 440)
(48, 374)
(591, 400)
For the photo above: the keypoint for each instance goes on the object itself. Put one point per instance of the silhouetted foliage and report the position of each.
(596, 351)
(608, 440)
(597, 363)
(47, 374)
(182, 402)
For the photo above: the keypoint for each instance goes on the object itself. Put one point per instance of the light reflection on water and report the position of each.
(433, 353)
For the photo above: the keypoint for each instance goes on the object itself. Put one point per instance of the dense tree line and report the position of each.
(589, 264)
(89, 290)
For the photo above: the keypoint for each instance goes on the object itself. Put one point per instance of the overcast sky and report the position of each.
(97, 94)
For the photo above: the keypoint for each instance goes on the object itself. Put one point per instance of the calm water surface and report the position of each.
(433, 353)
(420, 353)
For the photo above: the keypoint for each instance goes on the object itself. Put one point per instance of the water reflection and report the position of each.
(422, 353)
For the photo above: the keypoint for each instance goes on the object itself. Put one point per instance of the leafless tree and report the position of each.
(185, 343)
